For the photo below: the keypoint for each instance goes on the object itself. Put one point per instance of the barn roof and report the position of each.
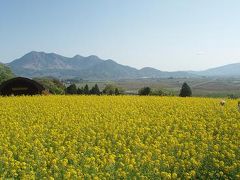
(38, 88)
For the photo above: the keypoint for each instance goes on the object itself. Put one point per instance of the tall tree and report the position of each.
(116, 91)
(80, 90)
(185, 90)
(86, 89)
(96, 90)
(72, 89)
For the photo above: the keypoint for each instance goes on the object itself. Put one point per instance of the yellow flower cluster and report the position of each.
(107, 137)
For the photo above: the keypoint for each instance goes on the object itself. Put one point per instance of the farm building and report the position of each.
(20, 86)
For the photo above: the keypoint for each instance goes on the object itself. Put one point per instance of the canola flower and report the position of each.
(122, 137)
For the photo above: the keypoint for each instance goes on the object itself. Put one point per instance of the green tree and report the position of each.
(144, 91)
(111, 92)
(116, 91)
(185, 90)
(109, 89)
(5, 73)
(79, 90)
(54, 85)
(95, 90)
(86, 89)
(72, 89)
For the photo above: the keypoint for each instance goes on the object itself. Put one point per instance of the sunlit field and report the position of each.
(112, 137)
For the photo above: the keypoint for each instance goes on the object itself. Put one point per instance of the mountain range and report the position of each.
(38, 64)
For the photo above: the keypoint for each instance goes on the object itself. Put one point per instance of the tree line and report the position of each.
(184, 92)
(111, 90)
(85, 90)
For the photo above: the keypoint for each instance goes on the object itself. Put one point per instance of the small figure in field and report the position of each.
(239, 106)
(222, 102)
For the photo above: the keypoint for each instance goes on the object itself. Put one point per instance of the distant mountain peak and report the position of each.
(31, 53)
(149, 68)
(93, 56)
(77, 57)
(37, 64)
(36, 53)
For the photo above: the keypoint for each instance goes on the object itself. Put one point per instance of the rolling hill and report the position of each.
(227, 70)
(39, 64)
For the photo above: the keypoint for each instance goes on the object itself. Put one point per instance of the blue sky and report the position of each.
(164, 34)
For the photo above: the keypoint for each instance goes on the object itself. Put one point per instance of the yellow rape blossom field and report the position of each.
(118, 137)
